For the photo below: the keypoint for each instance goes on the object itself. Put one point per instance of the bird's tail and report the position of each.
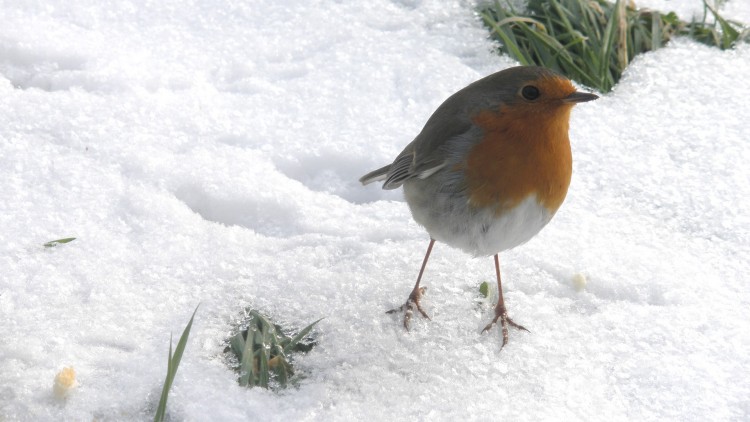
(375, 175)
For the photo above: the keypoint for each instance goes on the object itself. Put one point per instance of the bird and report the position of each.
(488, 170)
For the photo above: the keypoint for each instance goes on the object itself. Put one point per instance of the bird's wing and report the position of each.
(449, 133)
(430, 151)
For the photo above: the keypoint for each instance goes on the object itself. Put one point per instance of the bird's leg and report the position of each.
(416, 293)
(500, 312)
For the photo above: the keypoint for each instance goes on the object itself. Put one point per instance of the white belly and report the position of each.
(477, 231)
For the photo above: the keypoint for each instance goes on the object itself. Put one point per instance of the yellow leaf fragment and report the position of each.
(65, 382)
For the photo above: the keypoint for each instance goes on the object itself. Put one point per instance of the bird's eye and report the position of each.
(530, 92)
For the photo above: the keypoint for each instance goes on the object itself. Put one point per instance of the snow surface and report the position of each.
(209, 153)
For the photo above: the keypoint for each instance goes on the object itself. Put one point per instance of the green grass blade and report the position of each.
(180, 349)
(257, 353)
(296, 339)
(266, 341)
(608, 42)
(263, 372)
(728, 34)
(656, 30)
(282, 374)
(508, 40)
(161, 409)
(53, 243)
(173, 363)
(562, 12)
(237, 344)
(247, 372)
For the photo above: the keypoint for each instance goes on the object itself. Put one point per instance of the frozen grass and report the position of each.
(264, 352)
(592, 42)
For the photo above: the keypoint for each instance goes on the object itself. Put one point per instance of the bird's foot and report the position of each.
(505, 321)
(411, 303)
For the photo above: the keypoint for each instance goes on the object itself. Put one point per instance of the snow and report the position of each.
(206, 153)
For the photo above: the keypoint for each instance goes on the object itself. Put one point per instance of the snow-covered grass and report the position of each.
(204, 152)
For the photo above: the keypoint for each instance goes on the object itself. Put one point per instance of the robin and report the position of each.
(489, 169)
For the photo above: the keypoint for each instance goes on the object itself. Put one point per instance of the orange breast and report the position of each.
(525, 150)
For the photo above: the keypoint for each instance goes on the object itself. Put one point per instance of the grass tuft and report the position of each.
(173, 362)
(593, 41)
(263, 352)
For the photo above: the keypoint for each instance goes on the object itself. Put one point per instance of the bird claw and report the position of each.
(505, 321)
(408, 308)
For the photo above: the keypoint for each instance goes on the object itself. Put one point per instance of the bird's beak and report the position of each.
(580, 97)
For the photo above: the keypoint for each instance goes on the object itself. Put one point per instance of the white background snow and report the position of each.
(208, 152)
